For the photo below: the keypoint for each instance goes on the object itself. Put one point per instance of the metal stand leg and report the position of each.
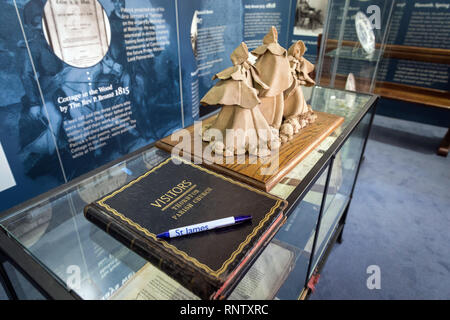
(343, 219)
(319, 219)
(6, 282)
(445, 145)
(339, 239)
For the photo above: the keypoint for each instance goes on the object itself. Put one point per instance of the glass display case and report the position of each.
(353, 43)
(65, 256)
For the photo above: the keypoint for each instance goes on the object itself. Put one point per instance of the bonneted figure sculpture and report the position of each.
(263, 104)
(273, 66)
(240, 126)
(297, 113)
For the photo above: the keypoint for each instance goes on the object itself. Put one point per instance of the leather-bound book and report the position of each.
(177, 193)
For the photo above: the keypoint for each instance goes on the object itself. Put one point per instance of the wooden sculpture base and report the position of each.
(262, 173)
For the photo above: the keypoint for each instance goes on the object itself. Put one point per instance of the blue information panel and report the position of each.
(419, 24)
(85, 82)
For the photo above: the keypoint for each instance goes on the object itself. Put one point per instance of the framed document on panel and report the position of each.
(78, 33)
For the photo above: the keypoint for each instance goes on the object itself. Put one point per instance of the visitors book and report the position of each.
(177, 193)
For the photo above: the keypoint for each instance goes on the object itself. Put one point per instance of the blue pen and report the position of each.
(204, 226)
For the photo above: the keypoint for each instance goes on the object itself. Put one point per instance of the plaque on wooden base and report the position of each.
(262, 173)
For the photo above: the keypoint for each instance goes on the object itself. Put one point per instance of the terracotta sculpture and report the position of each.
(240, 111)
(263, 100)
(297, 113)
(273, 66)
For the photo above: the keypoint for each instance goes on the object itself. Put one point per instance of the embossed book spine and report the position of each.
(192, 278)
(173, 195)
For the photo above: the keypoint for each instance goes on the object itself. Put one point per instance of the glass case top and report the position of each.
(93, 264)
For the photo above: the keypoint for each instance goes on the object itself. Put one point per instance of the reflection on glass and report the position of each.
(353, 42)
(80, 255)
(326, 100)
(29, 228)
(299, 231)
(337, 102)
(340, 186)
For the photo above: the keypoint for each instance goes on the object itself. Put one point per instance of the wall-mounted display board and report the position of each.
(420, 28)
(416, 67)
(83, 83)
(261, 15)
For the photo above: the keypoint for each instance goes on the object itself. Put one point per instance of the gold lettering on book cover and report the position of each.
(223, 268)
